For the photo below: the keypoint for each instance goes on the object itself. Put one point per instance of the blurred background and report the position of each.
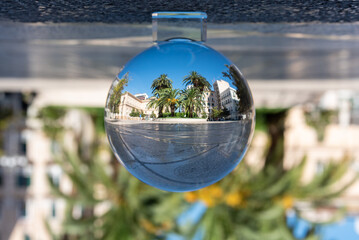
(59, 179)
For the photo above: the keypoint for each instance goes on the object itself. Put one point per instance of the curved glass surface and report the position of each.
(179, 116)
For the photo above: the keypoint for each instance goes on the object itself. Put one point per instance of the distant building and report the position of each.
(16, 170)
(141, 96)
(131, 103)
(346, 102)
(226, 97)
(210, 101)
(219, 87)
(230, 101)
(339, 143)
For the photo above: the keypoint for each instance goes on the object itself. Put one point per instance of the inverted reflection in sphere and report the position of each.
(179, 116)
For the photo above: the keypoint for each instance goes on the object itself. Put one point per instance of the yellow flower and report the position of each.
(216, 191)
(211, 195)
(287, 201)
(190, 197)
(208, 201)
(234, 199)
(148, 226)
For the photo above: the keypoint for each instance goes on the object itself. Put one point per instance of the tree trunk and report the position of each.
(160, 114)
(191, 112)
(172, 110)
(275, 152)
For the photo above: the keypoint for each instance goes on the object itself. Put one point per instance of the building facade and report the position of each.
(25, 164)
(210, 101)
(130, 103)
(226, 98)
(230, 101)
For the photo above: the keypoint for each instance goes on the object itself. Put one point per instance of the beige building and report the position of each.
(340, 142)
(129, 103)
(219, 87)
(301, 140)
(230, 101)
(26, 199)
(226, 97)
(210, 101)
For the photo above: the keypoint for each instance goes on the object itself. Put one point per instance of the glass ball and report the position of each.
(179, 116)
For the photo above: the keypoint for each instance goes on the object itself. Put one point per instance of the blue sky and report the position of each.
(176, 59)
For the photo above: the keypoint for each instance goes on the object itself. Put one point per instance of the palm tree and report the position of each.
(170, 98)
(167, 97)
(242, 89)
(158, 84)
(197, 81)
(247, 204)
(252, 204)
(161, 82)
(192, 101)
(115, 96)
(132, 210)
(157, 102)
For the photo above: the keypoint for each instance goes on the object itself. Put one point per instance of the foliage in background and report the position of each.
(248, 204)
(251, 204)
(5, 118)
(319, 119)
(112, 204)
(6, 114)
(52, 117)
(261, 117)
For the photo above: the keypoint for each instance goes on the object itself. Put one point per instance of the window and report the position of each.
(55, 147)
(22, 208)
(1, 207)
(320, 167)
(1, 177)
(54, 172)
(23, 143)
(22, 180)
(53, 208)
(23, 177)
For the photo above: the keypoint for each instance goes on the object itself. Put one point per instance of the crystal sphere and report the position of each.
(179, 116)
